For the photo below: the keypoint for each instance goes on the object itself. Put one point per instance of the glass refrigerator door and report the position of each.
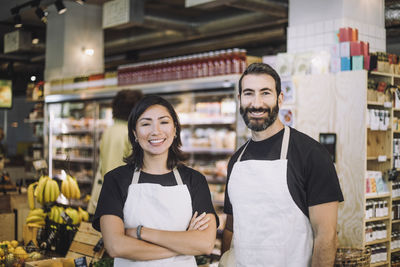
(208, 134)
(72, 141)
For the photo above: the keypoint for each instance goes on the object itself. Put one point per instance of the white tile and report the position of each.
(301, 31)
(328, 26)
(291, 33)
(309, 42)
(301, 42)
(361, 37)
(357, 25)
(329, 38)
(371, 30)
(319, 39)
(319, 27)
(382, 34)
(310, 29)
(338, 24)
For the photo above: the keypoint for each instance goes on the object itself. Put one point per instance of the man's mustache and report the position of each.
(257, 110)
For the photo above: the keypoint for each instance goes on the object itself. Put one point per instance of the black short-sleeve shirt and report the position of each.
(116, 183)
(311, 174)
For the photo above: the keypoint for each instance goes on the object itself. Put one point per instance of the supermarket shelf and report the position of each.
(383, 74)
(73, 131)
(378, 196)
(379, 104)
(395, 250)
(195, 84)
(74, 159)
(376, 158)
(213, 180)
(396, 131)
(74, 146)
(396, 198)
(378, 219)
(381, 263)
(396, 109)
(379, 130)
(34, 100)
(214, 121)
(210, 150)
(41, 120)
(395, 221)
(379, 241)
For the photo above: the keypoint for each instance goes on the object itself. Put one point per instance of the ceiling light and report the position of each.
(17, 21)
(35, 40)
(60, 7)
(41, 15)
(81, 2)
(88, 51)
(33, 78)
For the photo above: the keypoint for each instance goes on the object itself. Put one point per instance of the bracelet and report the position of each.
(138, 232)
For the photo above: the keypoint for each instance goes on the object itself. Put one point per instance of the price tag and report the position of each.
(39, 164)
(382, 158)
(387, 104)
(80, 262)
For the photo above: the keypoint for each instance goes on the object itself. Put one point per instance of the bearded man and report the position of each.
(282, 191)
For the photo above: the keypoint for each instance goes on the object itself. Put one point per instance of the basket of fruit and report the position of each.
(349, 257)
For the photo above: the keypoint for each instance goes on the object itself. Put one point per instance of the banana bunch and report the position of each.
(70, 188)
(74, 215)
(36, 217)
(55, 214)
(31, 195)
(83, 214)
(47, 190)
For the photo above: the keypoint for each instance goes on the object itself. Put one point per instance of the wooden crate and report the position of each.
(7, 226)
(84, 241)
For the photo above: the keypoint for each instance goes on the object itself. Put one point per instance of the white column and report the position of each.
(314, 23)
(68, 34)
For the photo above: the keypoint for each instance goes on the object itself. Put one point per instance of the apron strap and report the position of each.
(135, 178)
(285, 142)
(241, 154)
(177, 176)
(136, 174)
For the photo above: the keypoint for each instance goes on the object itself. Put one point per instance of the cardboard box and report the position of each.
(29, 233)
(7, 226)
(55, 262)
(345, 34)
(356, 49)
(335, 65)
(367, 60)
(345, 49)
(357, 62)
(345, 63)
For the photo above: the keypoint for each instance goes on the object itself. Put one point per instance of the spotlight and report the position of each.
(35, 40)
(33, 78)
(41, 15)
(17, 21)
(60, 7)
(81, 2)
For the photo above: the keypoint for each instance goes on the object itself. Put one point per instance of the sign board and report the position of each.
(122, 13)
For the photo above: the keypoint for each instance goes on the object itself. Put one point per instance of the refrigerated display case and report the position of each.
(206, 107)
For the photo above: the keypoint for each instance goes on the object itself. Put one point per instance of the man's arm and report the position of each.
(227, 234)
(323, 219)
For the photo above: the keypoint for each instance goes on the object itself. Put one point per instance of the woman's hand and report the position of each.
(200, 223)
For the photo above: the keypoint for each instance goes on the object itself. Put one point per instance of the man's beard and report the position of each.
(259, 124)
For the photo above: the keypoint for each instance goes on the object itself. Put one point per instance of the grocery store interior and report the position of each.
(63, 61)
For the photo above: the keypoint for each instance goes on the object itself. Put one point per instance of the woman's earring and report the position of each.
(136, 140)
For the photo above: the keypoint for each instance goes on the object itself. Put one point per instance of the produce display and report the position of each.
(13, 254)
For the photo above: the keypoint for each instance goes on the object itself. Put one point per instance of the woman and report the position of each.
(147, 209)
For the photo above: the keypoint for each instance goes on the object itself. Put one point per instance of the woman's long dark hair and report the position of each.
(175, 155)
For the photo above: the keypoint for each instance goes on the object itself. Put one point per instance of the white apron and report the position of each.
(269, 228)
(160, 207)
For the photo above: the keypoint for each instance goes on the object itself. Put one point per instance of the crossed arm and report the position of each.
(158, 244)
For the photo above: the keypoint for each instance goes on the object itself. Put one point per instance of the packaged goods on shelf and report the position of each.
(376, 209)
(375, 231)
(209, 64)
(378, 253)
(375, 184)
(378, 119)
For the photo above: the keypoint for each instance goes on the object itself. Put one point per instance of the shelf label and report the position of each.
(387, 104)
(382, 158)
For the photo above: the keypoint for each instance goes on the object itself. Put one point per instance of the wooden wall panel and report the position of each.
(336, 103)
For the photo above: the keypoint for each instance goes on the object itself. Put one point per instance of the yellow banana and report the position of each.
(36, 212)
(31, 195)
(67, 192)
(41, 188)
(56, 191)
(34, 219)
(60, 219)
(47, 192)
(35, 225)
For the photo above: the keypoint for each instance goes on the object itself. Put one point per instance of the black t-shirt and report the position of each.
(116, 183)
(311, 175)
